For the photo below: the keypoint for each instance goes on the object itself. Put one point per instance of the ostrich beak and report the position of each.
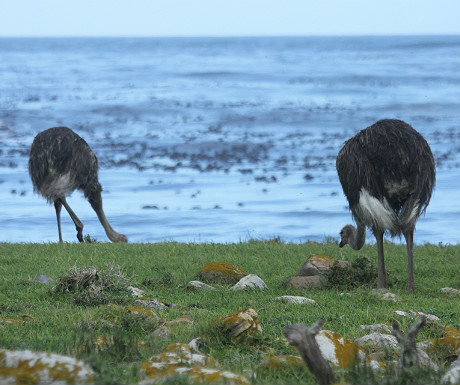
(342, 243)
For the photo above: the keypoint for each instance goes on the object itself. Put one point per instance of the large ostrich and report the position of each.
(60, 162)
(387, 172)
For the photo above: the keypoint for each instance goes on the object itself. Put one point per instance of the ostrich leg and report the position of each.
(78, 224)
(58, 206)
(96, 203)
(382, 275)
(409, 235)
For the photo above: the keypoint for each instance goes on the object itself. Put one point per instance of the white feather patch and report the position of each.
(377, 213)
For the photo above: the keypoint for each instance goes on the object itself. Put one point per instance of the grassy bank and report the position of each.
(68, 323)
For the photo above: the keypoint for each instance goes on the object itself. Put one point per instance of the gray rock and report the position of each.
(318, 264)
(161, 332)
(384, 341)
(376, 328)
(450, 290)
(251, 281)
(452, 376)
(198, 285)
(299, 282)
(416, 314)
(295, 299)
(42, 278)
(135, 291)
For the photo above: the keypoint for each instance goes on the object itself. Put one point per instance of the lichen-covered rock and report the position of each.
(141, 311)
(173, 356)
(198, 285)
(157, 304)
(311, 282)
(198, 374)
(251, 281)
(376, 328)
(9, 321)
(319, 264)
(283, 362)
(416, 314)
(384, 341)
(295, 299)
(240, 324)
(338, 350)
(223, 272)
(41, 368)
(450, 338)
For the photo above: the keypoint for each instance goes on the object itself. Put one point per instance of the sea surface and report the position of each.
(222, 139)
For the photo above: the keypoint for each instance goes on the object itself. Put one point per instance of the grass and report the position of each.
(68, 322)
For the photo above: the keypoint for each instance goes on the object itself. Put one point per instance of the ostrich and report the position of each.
(60, 162)
(387, 172)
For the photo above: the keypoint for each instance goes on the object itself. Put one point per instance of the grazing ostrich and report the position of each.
(60, 162)
(387, 172)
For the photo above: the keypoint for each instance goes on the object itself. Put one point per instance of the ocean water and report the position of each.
(223, 139)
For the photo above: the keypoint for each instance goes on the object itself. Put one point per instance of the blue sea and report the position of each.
(222, 139)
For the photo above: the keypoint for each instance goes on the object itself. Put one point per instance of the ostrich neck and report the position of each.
(356, 241)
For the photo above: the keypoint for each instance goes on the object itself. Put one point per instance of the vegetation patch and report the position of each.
(362, 273)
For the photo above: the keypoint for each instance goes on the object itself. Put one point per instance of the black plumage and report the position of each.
(387, 172)
(60, 162)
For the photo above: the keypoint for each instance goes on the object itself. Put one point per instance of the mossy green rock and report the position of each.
(222, 272)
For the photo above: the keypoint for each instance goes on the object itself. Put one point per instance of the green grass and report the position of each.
(68, 323)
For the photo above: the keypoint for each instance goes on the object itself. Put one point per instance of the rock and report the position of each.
(376, 328)
(242, 323)
(383, 341)
(41, 368)
(183, 319)
(157, 304)
(174, 355)
(9, 321)
(450, 290)
(301, 282)
(338, 350)
(135, 291)
(452, 376)
(318, 264)
(416, 314)
(450, 339)
(222, 272)
(161, 332)
(198, 374)
(295, 299)
(147, 313)
(250, 281)
(385, 295)
(283, 363)
(43, 279)
(198, 285)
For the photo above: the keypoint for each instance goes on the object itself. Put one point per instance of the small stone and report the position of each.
(295, 299)
(385, 295)
(223, 272)
(318, 264)
(184, 319)
(283, 362)
(416, 314)
(251, 281)
(384, 341)
(135, 291)
(43, 279)
(41, 368)
(301, 282)
(452, 376)
(376, 328)
(161, 332)
(198, 285)
(450, 290)
(241, 323)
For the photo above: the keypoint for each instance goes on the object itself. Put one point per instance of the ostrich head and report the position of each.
(347, 233)
(353, 237)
